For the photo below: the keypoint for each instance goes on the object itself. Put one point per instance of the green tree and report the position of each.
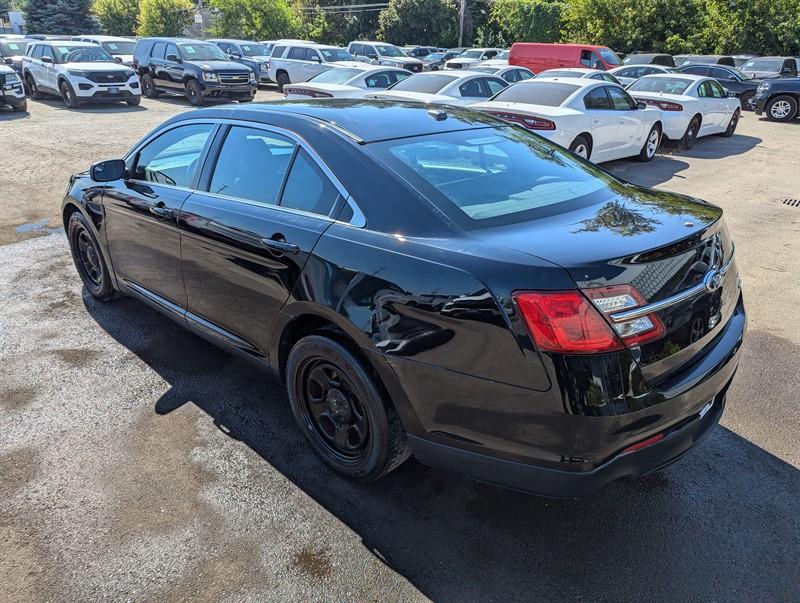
(324, 21)
(527, 20)
(756, 26)
(164, 17)
(69, 17)
(254, 19)
(117, 17)
(420, 22)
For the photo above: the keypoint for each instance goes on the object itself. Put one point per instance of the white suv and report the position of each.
(119, 48)
(300, 61)
(381, 53)
(78, 72)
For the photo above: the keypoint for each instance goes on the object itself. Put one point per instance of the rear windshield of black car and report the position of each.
(429, 84)
(549, 94)
(494, 176)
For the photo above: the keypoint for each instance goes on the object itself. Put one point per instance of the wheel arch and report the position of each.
(588, 136)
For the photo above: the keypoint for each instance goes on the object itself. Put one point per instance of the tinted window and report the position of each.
(597, 99)
(716, 90)
(763, 65)
(172, 157)
(667, 85)
(494, 85)
(336, 54)
(696, 70)
(430, 84)
(634, 72)
(383, 79)
(312, 55)
(36, 53)
(720, 74)
(158, 50)
(119, 47)
(620, 99)
(487, 177)
(335, 76)
(171, 52)
(252, 165)
(308, 188)
(277, 52)
(298, 54)
(551, 94)
(48, 52)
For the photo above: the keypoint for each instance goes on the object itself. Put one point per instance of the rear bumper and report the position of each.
(571, 456)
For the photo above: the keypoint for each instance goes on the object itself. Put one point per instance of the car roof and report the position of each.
(176, 40)
(105, 38)
(361, 120)
(583, 82)
(572, 70)
(76, 43)
(677, 76)
(232, 41)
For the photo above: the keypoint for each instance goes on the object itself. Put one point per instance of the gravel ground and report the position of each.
(138, 462)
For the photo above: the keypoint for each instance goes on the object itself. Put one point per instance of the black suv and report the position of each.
(193, 68)
(778, 98)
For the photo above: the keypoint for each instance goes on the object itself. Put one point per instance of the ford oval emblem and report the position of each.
(713, 280)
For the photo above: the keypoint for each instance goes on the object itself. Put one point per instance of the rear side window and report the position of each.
(308, 188)
(597, 99)
(252, 165)
(383, 79)
(172, 158)
(696, 70)
(620, 100)
(550, 94)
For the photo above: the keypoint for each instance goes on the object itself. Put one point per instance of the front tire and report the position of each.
(134, 102)
(88, 258)
(347, 418)
(651, 144)
(732, 124)
(21, 108)
(194, 93)
(782, 108)
(581, 147)
(68, 95)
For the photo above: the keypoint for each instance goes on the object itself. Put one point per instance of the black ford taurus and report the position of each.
(428, 281)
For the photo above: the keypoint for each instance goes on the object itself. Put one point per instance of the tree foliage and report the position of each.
(751, 26)
(117, 17)
(254, 19)
(69, 17)
(433, 22)
(164, 17)
(336, 26)
(527, 20)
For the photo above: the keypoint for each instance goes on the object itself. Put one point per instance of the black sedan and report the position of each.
(428, 281)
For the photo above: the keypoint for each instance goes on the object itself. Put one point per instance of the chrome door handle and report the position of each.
(280, 245)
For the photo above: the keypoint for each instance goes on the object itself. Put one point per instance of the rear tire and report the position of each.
(343, 411)
(194, 93)
(581, 147)
(732, 124)
(30, 86)
(282, 79)
(651, 144)
(88, 258)
(781, 108)
(690, 136)
(149, 86)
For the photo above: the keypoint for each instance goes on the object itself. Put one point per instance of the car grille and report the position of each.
(454, 65)
(240, 77)
(413, 66)
(108, 77)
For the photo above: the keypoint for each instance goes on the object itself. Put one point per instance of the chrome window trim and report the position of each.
(674, 299)
(358, 220)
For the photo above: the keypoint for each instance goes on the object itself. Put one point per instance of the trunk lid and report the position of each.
(662, 244)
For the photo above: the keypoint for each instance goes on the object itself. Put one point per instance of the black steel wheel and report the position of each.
(343, 411)
(30, 86)
(88, 258)
(149, 86)
(68, 95)
(732, 124)
(194, 93)
(689, 137)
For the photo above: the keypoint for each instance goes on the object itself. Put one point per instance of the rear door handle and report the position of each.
(280, 245)
(161, 212)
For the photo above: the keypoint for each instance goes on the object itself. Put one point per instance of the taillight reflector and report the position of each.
(662, 104)
(566, 322)
(644, 443)
(526, 121)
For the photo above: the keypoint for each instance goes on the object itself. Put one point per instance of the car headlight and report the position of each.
(252, 78)
(78, 73)
(210, 76)
(12, 78)
(130, 74)
(764, 86)
(264, 67)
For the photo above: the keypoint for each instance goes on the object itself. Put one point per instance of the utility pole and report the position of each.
(461, 10)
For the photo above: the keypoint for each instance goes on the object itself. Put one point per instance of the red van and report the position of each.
(540, 57)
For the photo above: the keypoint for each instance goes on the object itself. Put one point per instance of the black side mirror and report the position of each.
(235, 56)
(174, 58)
(641, 106)
(117, 59)
(107, 171)
(47, 60)
(8, 61)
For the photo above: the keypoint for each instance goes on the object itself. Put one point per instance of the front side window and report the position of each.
(298, 54)
(172, 52)
(336, 54)
(48, 52)
(720, 74)
(716, 90)
(277, 52)
(172, 158)
(252, 165)
(609, 56)
(490, 177)
(158, 50)
(307, 188)
(620, 100)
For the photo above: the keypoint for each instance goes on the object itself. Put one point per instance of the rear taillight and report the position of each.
(307, 92)
(618, 298)
(566, 322)
(643, 444)
(662, 104)
(526, 121)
